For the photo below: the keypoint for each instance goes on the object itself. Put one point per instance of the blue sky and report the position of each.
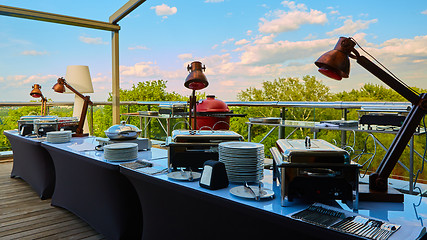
(242, 43)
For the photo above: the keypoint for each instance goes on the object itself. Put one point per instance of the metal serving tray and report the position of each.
(310, 151)
(273, 120)
(204, 136)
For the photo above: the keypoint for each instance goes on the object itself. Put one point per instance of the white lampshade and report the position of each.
(78, 77)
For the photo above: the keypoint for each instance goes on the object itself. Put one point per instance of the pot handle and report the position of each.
(326, 172)
(124, 133)
(206, 127)
(185, 121)
(307, 142)
(221, 122)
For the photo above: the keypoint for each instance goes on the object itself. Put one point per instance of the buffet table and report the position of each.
(32, 163)
(93, 188)
(183, 210)
(125, 203)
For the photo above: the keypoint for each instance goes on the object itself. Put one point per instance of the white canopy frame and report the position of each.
(87, 23)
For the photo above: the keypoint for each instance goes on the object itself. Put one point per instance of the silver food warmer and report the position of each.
(191, 148)
(34, 124)
(316, 170)
(124, 132)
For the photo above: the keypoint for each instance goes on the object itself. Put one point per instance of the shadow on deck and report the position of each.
(23, 215)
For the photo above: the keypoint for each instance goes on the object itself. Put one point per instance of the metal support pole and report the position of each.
(282, 131)
(411, 165)
(344, 133)
(249, 132)
(115, 77)
(91, 120)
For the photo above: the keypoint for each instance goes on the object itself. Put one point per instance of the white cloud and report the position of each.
(101, 78)
(350, 27)
(16, 78)
(185, 56)
(90, 40)
(284, 21)
(164, 10)
(291, 5)
(310, 37)
(424, 12)
(241, 42)
(141, 69)
(19, 80)
(406, 49)
(281, 51)
(265, 39)
(227, 83)
(138, 47)
(227, 41)
(33, 53)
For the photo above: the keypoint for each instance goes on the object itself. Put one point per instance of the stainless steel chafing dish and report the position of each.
(316, 170)
(68, 123)
(205, 136)
(189, 148)
(37, 124)
(173, 109)
(122, 131)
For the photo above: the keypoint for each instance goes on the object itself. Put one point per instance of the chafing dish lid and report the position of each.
(122, 127)
(172, 105)
(34, 117)
(296, 150)
(205, 136)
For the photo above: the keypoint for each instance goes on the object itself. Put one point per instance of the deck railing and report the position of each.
(344, 107)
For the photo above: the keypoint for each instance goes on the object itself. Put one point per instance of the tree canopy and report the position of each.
(282, 89)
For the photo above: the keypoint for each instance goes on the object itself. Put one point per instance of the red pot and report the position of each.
(211, 114)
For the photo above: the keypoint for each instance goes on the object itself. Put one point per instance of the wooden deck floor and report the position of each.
(24, 216)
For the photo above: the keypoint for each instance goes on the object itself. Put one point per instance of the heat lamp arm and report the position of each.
(403, 90)
(378, 180)
(82, 119)
(74, 90)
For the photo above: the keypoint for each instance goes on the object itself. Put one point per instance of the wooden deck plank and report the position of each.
(23, 215)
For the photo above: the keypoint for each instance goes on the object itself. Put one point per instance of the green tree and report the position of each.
(142, 91)
(281, 89)
(374, 93)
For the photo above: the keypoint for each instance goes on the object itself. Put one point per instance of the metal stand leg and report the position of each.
(249, 131)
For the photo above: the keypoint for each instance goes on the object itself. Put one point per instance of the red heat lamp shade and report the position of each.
(196, 80)
(196, 85)
(36, 92)
(330, 73)
(336, 63)
(59, 86)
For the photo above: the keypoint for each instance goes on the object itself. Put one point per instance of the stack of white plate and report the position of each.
(121, 151)
(244, 161)
(58, 136)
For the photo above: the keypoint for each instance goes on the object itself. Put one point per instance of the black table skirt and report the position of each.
(173, 211)
(32, 163)
(97, 193)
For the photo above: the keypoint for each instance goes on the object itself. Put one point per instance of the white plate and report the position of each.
(241, 145)
(183, 176)
(121, 151)
(56, 133)
(120, 146)
(241, 191)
